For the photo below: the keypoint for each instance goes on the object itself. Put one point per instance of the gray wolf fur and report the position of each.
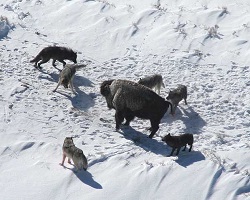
(66, 76)
(131, 99)
(55, 53)
(176, 95)
(176, 142)
(74, 153)
(154, 81)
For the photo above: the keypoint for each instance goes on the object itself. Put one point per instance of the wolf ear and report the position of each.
(169, 134)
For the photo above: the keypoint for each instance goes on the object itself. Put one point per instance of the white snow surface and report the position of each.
(202, 44)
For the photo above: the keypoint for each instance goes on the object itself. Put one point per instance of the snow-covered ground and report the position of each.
(202, 44)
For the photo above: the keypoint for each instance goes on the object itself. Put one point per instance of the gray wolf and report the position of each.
(154, 81)
(131, 99)
(176, 95)
(66, 76)
(55, 53)
(74, 153)
(176, 142)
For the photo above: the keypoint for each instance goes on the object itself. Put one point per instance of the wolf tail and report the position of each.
(79, 66)
(37, 58)
(163, 85)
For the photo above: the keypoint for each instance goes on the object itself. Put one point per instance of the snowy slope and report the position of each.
(202, 44)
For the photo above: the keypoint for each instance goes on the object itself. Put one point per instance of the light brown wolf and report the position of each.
(155, 81)
(67, 75)
(74, 153)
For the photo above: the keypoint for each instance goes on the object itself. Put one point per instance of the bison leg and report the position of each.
(129, 117)
(154, 127)
(119, 117)
(190, 147)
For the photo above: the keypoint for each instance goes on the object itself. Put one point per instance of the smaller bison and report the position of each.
(176, 95)
(176, 142)
(154, 81)
(131, 100)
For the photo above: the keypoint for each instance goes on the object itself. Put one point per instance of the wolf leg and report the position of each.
(64, 156)
(43, 61)
(173, 149)
(185, 101)
(54, 62)
(71, 85)
(59, 83)
(178, 150)
(62, 61)
(184, 148)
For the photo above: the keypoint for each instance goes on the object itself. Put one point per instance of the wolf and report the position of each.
(176, 142)
(66, 76)
(55, 53)
(176, 95)
(154, 81)
(74, 153)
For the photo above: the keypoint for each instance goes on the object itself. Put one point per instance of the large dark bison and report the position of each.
(131, 99)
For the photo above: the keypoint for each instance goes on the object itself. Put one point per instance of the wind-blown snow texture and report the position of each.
(201, 44)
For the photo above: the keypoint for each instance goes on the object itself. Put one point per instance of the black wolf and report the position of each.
(55, 53)
(176, 142)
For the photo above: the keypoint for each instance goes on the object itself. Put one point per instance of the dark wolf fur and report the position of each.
(176, 142)
(154, 81)
(131, 99)
(66, 76)
(55, 53)
(176, 95)
(74, 153)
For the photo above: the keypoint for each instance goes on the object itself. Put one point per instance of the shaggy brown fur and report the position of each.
(131, 99)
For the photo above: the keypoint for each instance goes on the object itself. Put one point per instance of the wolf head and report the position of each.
(68, 141)
(73, 57)
(171, 95)
(166, 138)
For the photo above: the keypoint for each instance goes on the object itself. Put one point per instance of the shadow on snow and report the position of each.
(81, 100)
(87, 178)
